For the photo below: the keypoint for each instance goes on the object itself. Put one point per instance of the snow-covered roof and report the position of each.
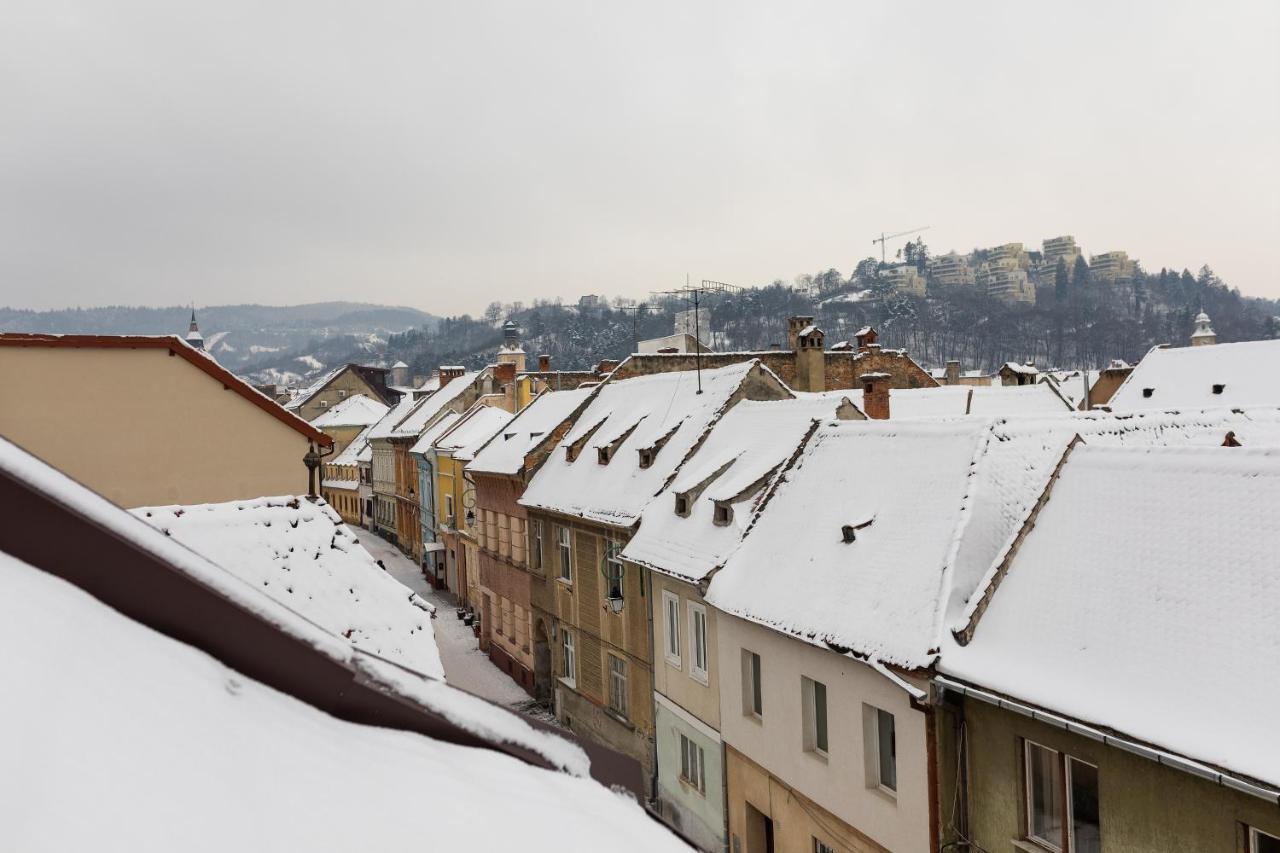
(302, 555)
(905, 487)
(1070, 383)
(426, 442)
(1245, 374)
(428, 408)
(630, 415)
(305, 394)
(745, 447)
(472, 431)
(1164, 626)
(110, 717)
(986, 401)
(357, 410)
(506, 452)
(1024, 369)
(350, 454)
(398, 412)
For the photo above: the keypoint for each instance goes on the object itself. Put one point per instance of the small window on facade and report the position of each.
(819, 847)
(448, 511)
(723, 514)
(341, 393)
(566, 555)
(1261, 842)
(570, 663)
(1058, 813)
(693, 764)
(1147, 392)
(324, 404)
(1218, 388)
(886, 751)
(535, 543)
(813, 699)
(613, 569)
(671, 626)
(618, 685)
(698, 642)
(752, 696)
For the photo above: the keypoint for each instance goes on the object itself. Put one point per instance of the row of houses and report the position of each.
(829, 604)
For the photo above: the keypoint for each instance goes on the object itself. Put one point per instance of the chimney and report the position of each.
(953, 373)
(794, 325)
(865, 338)
(505, 376)
(606, 365)
(399, 374)
(544, 363)
(450, 373)
(811, 358)
(875, 395)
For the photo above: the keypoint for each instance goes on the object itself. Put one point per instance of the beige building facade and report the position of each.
(148, 421)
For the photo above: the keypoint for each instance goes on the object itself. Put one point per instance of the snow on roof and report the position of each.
(265, 772)
(305, 394)
(426, 442)
(753, 439)
(1070, 385)
(398, 412)
(505, 453)
(1025, 369)
(1158, 625)
(357, 410)
(958, 400)
(429, 407)
(637, 413)
(880, 595)
(302, 555)
(462, 709)
(1245, 374)
(350, 454)
(476, 427)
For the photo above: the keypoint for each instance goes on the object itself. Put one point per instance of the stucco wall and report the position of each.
(143, 427)
(674, 681)
(344, 385)
(1144, 806)
(838, 783)
(698, 814)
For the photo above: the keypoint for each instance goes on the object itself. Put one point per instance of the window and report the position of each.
(698, 642)
(341, 393)
(671, 624)
(752, 699)
(1062, 801)
(1044, 796)
(613, 568)
(819, 847)
(448, 510)
(813, 697)
(1082, 807)
(882, 746)
(693, 765)
(535, 545)
(646, 457)
(570, 671)
(682, 505)
(566, 556)
(324, 404)
(1260, 842)
(723, 515)
(618, 685)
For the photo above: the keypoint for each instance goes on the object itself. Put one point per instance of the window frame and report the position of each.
(693, 764)
(535, 544)
(619, 681)
(809, 695)
(700, 674)
(1029, 801)
(613, 557)
(671, 650)
(565, 546)
(752, 685)
(821, 846)
(1255, 834)
(877, 719)
(569, 654)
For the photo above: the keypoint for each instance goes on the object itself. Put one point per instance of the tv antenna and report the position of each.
(693, 296)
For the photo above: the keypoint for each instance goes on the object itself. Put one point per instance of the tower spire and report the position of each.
(194, 338)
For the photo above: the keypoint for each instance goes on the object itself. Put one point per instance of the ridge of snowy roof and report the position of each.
(305, 394)
(426, 441)
(506, 451)
(350, 454)
(397, 413)
(474, 429)
(1185, 377)
(1129, 633)
(430, 406)
(356, 410)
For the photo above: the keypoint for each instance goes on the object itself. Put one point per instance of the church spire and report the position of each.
(194, 338)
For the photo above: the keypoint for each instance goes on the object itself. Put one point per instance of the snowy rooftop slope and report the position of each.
(305, 394)
(750, 442)
(428, 438)
(1071, 385)
(302, 555)
(1184, 378)
(906, 484)
(358, 410)
(476, 427)
(266, 771)
(350, 454)
(1022, 452)
(398, 412)
(462, 709)
(505, 453)
(1164, 627)
(637, 413)
(427, 409)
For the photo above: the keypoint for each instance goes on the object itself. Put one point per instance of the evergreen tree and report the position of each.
(1080, 275)
(1061, 280)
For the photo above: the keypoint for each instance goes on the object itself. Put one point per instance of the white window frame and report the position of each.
(618, 678)
(569, 648)
(873, 748)
(822, 847)
(1029, 799)
(1255, 834)
(449, 519)
(698, 644)
(565, 545)
(751, 684)
(535, 543)
(1069, 794)
(671, 627)
(693, 764)
(613, 556)
(809, 703)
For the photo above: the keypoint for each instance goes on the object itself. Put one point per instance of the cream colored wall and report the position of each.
(675, 682)
(143, 427)
(775, 742)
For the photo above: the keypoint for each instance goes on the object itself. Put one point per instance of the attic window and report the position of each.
(341, 393)
(324, 404)
(602, 455)
(1147, 392)
(646, 457)
(682, 505)
(1218, 388)
(723, 514)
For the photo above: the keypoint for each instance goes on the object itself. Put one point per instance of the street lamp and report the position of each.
(613, 572)
(312, 461)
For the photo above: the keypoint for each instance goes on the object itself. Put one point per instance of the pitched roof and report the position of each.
(624, 416)
(303, 556)
(1156, 628)
(733, 463)
(357, 410)
(1248, 374)
(472, 431)
(506, 451)
(426, 409)
(374, 377)
(426, 441)
(176, 346)
(384, 427)
(350, 454)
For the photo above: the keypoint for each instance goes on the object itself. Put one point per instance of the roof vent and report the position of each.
(849, 532)
(1147, 392)
(1218, 388)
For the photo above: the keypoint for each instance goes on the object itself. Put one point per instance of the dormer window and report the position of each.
(723, 514)
(682, 505)
(602, 455)
(1218, 388)
(646, 457)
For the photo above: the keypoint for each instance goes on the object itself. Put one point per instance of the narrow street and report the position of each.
(465, 666)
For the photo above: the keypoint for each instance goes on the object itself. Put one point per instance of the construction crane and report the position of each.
(884, 237)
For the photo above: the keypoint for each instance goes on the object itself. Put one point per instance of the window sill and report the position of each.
(675, 663)
(567, 584)
(817, 755)
(887, 794)
(700, 677)
(1031, 846)
(568, 682)
(690, 788)
(758, 719)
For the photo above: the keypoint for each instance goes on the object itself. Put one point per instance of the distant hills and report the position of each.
(266, 343)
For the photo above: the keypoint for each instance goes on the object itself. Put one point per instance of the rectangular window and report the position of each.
(613, 568)
(570, 672)
(886, 750)
(813, 699)
(566, 555)
(1045, 801)
(693, 764)
(698, 642)
(671, 619)
(752, 696)
(819, 847)
(448, 511)
(1260, 842)
(535, 543)
(1082, 785)
(1062, 800)
(618, 685)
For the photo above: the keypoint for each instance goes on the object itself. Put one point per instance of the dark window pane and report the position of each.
(1086, 833)
(887, 737)
(757, 704)
(1265, 843)
(820, 715)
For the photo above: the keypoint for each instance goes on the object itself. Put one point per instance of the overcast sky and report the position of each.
(444, 155)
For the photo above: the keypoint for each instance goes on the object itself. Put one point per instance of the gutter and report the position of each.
(1129, 745)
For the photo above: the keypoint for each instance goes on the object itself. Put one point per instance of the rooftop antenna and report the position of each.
(884, 237)
(693, 296)
(635, 312)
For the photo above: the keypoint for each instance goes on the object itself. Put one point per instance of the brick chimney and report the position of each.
(606, 366)
(450, 373)
(875, 395)
(794, 325)
(505, 377)
(811, 359)
(544, 363)
(953, 373)
(865, 338)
